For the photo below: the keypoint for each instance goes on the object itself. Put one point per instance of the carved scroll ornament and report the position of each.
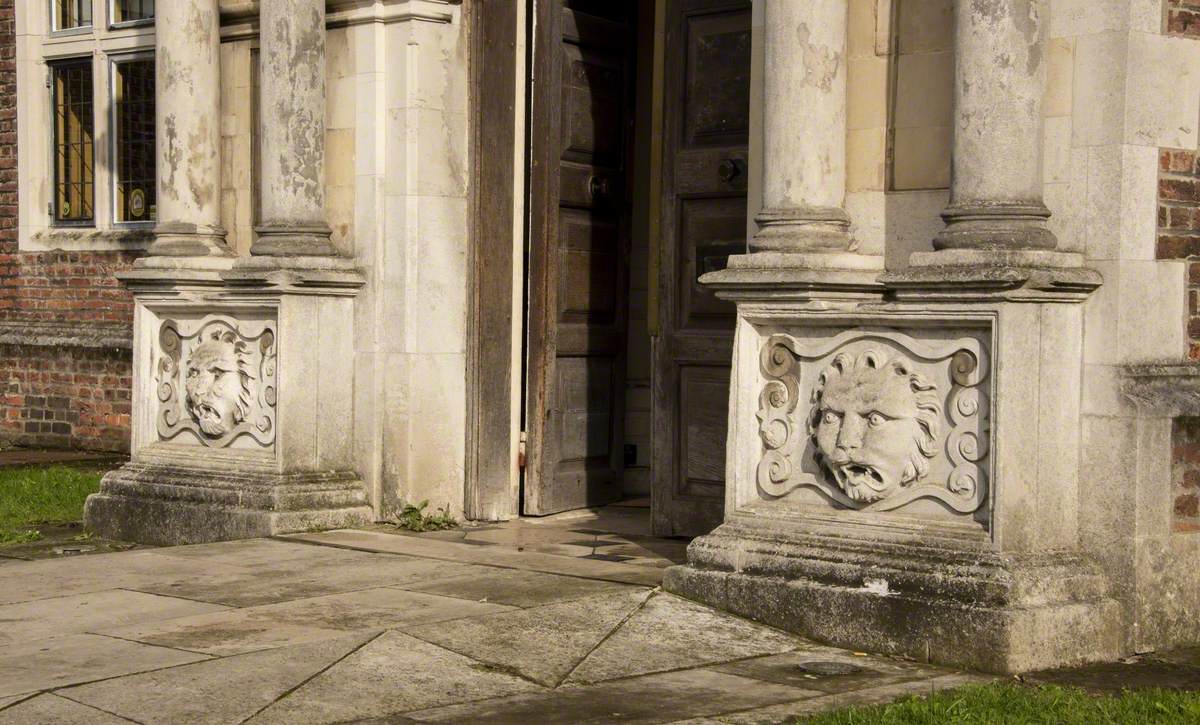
(217, 382)
(870, 432)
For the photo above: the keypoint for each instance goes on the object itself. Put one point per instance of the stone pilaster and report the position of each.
(292, 78)
(878, 495)
(804, 128)
(996, 181)
(188, 127)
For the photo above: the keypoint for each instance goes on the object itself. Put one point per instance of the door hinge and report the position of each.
(521, 451)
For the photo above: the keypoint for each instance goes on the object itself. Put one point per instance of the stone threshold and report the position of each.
(381, 543)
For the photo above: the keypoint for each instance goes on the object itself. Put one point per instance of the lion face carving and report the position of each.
(218, 384)
(874, 423)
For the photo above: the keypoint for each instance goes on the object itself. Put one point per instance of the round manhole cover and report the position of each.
(822, 667)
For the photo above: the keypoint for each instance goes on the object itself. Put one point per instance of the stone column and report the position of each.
(804, 128)
(188, 126)
(1000, 68)
(292, 124)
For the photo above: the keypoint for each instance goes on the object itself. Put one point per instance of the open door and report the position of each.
(706, 119)
(580, 141)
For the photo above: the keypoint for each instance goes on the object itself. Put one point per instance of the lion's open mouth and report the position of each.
(860, 482)
(209, 419)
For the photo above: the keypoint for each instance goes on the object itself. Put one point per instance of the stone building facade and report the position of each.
(889, 303)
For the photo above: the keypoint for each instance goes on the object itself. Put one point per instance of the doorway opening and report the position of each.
(638, 126)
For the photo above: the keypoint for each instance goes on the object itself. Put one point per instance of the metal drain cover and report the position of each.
(824, 667)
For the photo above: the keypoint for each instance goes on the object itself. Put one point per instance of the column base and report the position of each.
(275, 240)
(808, 229)
(175, 239)
(977, 609)
(996, 226)
(171, 505)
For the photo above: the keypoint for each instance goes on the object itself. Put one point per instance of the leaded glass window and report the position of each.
(133, 114)
(74, 134)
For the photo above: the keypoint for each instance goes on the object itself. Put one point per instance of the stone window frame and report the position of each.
(39, 45)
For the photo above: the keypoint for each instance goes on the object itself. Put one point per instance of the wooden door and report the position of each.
(581, 128)
(705, 136)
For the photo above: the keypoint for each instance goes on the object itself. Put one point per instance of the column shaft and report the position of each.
(188, 128)
(292, 126)
(1000, 68)
(804, 128)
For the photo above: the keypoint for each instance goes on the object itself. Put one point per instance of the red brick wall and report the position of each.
(1179, 227)
(1186, 473)
(73, 395)
(1183, 18)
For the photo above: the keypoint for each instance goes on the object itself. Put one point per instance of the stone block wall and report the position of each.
(65, 320)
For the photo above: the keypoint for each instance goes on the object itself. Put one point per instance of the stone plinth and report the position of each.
(903, 467)
(243, 389)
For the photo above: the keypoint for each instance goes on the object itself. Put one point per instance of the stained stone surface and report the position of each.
(226, 690)
(49, 664)
(302, 620)
(686, 635)
(519, 588)
(431, 676)
(655, 698)
(50, 708)
(566, 632)
(73, 614)
(278, 631)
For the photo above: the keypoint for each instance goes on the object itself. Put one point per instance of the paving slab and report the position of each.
(487, 555)
(650, 699)
(29, 580)
(77, 613)
(49, 664)
(303, 620)
(219, 691)
(256, 553)
(542, 643)
(50, 708)
(301, 579)
(670, 633)
(519, 588)
(788, 712)
(803, 669)
(391, 674)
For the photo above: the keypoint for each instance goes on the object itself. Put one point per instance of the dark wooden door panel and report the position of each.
(578, 253)
(705, 139)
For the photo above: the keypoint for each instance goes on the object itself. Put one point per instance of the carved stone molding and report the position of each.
(875, 419)
(215, 380)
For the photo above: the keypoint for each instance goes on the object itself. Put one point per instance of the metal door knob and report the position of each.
(730, 169)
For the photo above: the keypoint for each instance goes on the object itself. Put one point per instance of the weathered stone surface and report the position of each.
(564, 633)
(518, 588)
(651, 699)
(803, 669)
(50, 708)
(1006, 616)
(1170, 389)
(431, 676)
(670, 633)
(48, 664)
(74, 614)
(164, 504)
(226, 690)
(302, 620)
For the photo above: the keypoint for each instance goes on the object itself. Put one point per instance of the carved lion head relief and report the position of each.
(874, 424)
(217, 381)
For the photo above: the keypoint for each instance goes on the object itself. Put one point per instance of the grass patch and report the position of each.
(1015, 704)
(41, 495)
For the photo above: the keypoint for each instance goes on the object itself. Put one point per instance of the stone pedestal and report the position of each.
(903, 466)
(243, 390)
